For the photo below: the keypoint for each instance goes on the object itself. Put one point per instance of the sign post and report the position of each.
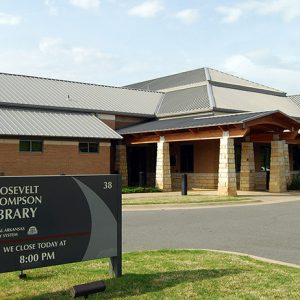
(53, 220)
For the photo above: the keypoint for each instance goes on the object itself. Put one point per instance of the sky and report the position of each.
(114, 42)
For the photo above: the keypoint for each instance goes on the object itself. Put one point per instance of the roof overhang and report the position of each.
(259, 127)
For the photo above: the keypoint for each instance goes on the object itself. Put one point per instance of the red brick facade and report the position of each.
(58, 157)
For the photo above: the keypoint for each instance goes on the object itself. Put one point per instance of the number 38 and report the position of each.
(107, 185)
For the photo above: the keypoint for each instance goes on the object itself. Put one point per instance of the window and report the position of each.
(88, 147)
(31, 146)
(187, 159)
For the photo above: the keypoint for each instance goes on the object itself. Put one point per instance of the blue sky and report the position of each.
(118, 42)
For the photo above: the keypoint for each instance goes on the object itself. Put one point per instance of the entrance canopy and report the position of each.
(258, 126)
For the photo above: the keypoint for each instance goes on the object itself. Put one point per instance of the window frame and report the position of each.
(88, 148)
(30, 146)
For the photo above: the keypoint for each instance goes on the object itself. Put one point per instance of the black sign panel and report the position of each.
(58, 219)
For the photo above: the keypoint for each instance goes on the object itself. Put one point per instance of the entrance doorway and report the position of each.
(265, 159)
(136, 164)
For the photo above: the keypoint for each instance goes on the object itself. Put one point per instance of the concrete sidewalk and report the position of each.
(255, 198)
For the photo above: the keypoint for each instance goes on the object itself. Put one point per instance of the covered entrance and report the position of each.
(224, 152)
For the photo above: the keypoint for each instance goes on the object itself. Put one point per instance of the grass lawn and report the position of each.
(169, 274)
(178, 199)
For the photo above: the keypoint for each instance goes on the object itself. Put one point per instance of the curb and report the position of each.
(140, 207)
(174, 206)
(268, 260)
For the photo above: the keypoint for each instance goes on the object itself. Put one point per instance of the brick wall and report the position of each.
(58, 157)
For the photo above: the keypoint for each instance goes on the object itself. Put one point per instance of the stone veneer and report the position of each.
(247, 174)
(121, 163)
(227, 174)
(196, 180)
(287, 164)
(278, 182)
(210, 181)
(163, 169)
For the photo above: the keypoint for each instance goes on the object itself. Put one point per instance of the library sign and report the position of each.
(52, 220)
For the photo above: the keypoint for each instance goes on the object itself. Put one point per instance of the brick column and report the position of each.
(121, 163)
(277, 168)
(287, 163)
(227, 174)
(163, 169)
(247, 174)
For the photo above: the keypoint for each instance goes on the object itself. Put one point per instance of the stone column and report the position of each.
(277, 168)
(287, 164)
(121, 163)
(247, 174)
(163, 169)
(227, 174)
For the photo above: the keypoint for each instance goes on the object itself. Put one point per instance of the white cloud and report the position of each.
(287, 9)
(6, 19)
(86, 4)
(52, 8)
(188, 16)
(230, 14)
(49, 45)
(281, 72)
(57, 48)
(148, 9)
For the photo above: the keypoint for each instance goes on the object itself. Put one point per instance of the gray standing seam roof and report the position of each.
(197, 76)
(295, 99)
(42, 123)
(185, 101)
(31, 91)
(192, 122)
(180, 79)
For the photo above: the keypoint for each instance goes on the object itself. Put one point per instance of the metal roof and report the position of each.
(31, 91)
(295, 99)
(241, 100)
(27, 122)
(222, 77)
(185, 101)
(192, 122)
(166, 82)
(197, 76)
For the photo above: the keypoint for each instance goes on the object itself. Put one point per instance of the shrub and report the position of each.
(139, 189)
(295, 184)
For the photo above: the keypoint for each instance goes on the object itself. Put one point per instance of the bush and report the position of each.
(139, 189)
(295, 184)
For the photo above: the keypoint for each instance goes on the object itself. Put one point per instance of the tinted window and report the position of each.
(89, 147)
(31, 146)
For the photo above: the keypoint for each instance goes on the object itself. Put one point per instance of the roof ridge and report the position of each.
(263, 85)
(234, 114)
(78, 82)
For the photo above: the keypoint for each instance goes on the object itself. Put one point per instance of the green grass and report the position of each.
(180, 200)
(169, 274)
